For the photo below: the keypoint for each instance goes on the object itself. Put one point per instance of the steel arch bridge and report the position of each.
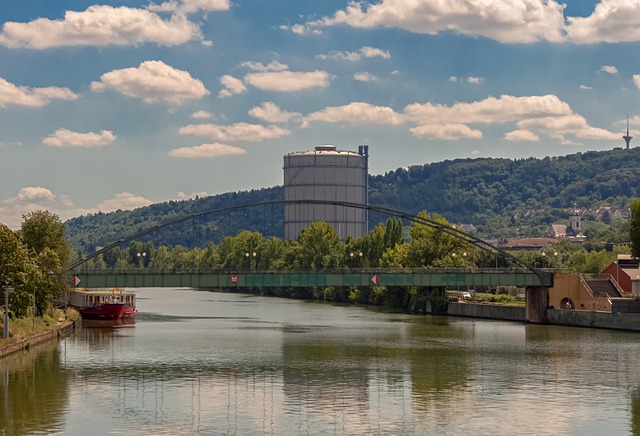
(519, 273)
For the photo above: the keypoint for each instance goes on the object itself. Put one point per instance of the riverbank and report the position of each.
(27, 332)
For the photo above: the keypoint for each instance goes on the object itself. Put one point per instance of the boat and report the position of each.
(103, 304)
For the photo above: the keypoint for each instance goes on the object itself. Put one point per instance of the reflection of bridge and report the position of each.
(422, 277)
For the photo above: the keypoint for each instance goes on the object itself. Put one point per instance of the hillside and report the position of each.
(501, 198)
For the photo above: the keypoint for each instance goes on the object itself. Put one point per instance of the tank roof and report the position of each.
(324, 149)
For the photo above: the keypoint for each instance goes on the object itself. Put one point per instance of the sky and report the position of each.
(122, 104)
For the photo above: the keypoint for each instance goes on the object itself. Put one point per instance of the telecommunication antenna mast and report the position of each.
(627, 138)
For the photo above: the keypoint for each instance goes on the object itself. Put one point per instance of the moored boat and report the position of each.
(103, 304)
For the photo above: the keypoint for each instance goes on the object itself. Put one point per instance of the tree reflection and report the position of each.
(34, 391)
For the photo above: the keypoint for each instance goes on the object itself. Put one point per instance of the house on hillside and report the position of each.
(626, 271)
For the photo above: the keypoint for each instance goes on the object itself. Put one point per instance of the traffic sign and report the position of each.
(75, 280)
(375, 279)
(234, 278)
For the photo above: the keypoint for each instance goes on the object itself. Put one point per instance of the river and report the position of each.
(204, 363)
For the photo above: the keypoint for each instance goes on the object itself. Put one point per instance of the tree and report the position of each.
(634, 228)
(320, 247)
(42, 232)
(18, 271)
(432, 247)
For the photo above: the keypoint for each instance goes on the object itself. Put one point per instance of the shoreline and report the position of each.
(25, 344)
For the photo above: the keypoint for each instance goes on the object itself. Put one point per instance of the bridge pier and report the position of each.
(537, 298)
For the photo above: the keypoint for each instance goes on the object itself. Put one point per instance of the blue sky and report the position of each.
(122, 104)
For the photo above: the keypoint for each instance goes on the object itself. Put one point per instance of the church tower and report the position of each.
(575, 221)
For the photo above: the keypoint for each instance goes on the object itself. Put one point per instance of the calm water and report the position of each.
(200, 363)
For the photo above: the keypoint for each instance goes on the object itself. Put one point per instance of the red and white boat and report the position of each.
(103, 304)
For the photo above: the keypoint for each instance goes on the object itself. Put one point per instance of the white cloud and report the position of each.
(272, 113)
(67, 139)
(29, 199)
(206, 151)
(584, 87)
(259, 66)
(445, 132)
(364, 77)
(124, 201)
(357, 113)
(31, 97)
(636, 80)
(560, 126)
(612, 21)
(207, 43)
(522, 136)
(490, 110)
(202, 115)
(609, 69)
(364, 52)
(475, 80)
(300, 29)
(34, 193)
(191, 6)
(537, 114)
(232, 86)
(513, 21)
(99, 26)
(152, 82)
(453, 79)
(288, 81)
(235, 132)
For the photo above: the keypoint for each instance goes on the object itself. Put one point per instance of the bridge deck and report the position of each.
(195, 278)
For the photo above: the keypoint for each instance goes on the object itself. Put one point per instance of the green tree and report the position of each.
(43, 233)
(320, 247)
(432, 247)
(634, 228)
(19, 271)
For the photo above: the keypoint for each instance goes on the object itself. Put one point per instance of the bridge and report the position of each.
(359, 277)
(517, 273)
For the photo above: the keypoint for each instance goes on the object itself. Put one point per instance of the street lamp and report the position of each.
(141, 257)
(248, 255)
(352, 255)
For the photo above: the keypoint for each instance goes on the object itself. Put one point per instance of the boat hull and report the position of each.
(108, 311)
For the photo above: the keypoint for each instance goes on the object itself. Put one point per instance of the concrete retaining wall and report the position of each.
(62, 330)
(603, 320)
(507, 313)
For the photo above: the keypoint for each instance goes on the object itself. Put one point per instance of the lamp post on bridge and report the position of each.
(141, 257)
(248, 256)
(353, 255)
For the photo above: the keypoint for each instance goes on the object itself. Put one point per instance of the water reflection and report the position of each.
(238, 365)
(31, 400)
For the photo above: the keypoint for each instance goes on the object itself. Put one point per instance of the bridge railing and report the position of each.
(154, 271)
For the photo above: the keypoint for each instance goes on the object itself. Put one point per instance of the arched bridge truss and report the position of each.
(517, 273)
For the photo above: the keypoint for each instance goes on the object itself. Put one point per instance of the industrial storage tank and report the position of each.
(326, 174)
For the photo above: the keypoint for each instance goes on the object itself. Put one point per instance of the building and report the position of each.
(573, 230)
(326, 174)
(626, 272)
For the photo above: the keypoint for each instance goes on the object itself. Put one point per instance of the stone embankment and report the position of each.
(575, 318)
(61, 330)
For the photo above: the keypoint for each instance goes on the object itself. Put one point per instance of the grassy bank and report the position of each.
(24, 328)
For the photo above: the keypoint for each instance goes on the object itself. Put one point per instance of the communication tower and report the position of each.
(627, 138)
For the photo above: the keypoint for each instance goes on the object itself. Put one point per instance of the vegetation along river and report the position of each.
(204, 363)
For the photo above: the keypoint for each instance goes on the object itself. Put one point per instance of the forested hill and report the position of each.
(500, 197)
